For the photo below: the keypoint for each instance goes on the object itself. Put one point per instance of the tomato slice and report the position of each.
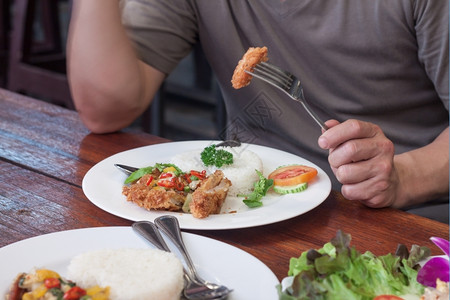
(52, 283)
(292, 175)
(387, 297)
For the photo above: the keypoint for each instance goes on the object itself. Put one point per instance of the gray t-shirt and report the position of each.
(380, 61)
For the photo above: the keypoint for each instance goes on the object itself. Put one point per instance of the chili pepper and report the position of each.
(178, 184)
(74, 293)
(166, 183)
(187, 177)
(52, 283)
(200, 175)
(150, 179)
(166, 175)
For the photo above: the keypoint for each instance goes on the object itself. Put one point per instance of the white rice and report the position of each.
(241, 173)
(131, 274)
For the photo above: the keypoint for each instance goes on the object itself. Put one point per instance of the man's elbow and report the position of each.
(99, 119)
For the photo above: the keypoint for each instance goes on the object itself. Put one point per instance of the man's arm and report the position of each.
(363, 160)
(110, 86)
(424, 172)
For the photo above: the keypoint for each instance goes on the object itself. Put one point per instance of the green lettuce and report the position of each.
(339, 271)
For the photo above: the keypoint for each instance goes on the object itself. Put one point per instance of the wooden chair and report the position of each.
(38, 67)
(5, 19)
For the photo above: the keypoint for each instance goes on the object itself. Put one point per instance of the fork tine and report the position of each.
(275, 70)
(286, 82)
(281, 79)
(275, 80)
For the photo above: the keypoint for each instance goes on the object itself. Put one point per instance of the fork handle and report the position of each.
(150, 232)
(314, 116)
(169, 226)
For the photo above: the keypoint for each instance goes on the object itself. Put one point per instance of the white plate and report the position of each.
(103, 184)
(216, 261)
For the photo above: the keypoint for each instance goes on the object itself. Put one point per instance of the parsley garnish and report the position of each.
(212, 157)
(260, 189)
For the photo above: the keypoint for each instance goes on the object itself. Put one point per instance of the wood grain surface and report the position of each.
(45, 152)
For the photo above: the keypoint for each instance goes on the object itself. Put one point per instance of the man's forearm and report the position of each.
(107, 79)
(424, 172)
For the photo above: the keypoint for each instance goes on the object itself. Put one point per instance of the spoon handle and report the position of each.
(169, 226)
(126, 169)
(150, 232)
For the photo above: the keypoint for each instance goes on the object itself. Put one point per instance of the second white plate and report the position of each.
(216, 261)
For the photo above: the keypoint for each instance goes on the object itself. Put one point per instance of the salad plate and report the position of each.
(103, 184)
(216, 261)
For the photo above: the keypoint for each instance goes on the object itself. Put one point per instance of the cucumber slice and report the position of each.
(290, 189)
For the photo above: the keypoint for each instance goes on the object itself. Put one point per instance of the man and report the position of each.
(376, 70)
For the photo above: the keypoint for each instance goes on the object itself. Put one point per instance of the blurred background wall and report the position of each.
(33, 35)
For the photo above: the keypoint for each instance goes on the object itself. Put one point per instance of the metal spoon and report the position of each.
(126, 169)
(169, 226)
(194, 290)
(229, 143)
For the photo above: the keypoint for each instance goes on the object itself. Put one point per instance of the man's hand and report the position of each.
(362, 159)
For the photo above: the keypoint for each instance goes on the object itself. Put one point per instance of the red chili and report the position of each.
(166, 183)
(188, 178)
(51, 283)
(165, 175)
(74, 293)
(150, 179)
(200, 175)
(178, 184)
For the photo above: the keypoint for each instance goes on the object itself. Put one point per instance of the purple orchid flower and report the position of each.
(436, 267)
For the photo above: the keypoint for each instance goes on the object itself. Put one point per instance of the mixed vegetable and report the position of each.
(338, 271)
(284, 180)
(292, 179)
(169, 176)
(48, 284)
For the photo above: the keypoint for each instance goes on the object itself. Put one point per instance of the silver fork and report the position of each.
(193, 290)
(169, 226)
(286, 82)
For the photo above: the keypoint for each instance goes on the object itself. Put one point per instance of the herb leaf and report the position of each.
(212, 157)
(138, 174)
(148, 170)
(162, 166)
(259, 191)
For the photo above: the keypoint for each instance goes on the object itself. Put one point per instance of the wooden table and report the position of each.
(45, 151)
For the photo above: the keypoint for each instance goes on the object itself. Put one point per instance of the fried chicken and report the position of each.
(153, 198)
(208, 198)
(251, 58)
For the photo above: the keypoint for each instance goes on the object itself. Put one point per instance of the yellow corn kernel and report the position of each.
(98, 293)
(28, 296)
(43, 274)
(39, 291)
(170, 169)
